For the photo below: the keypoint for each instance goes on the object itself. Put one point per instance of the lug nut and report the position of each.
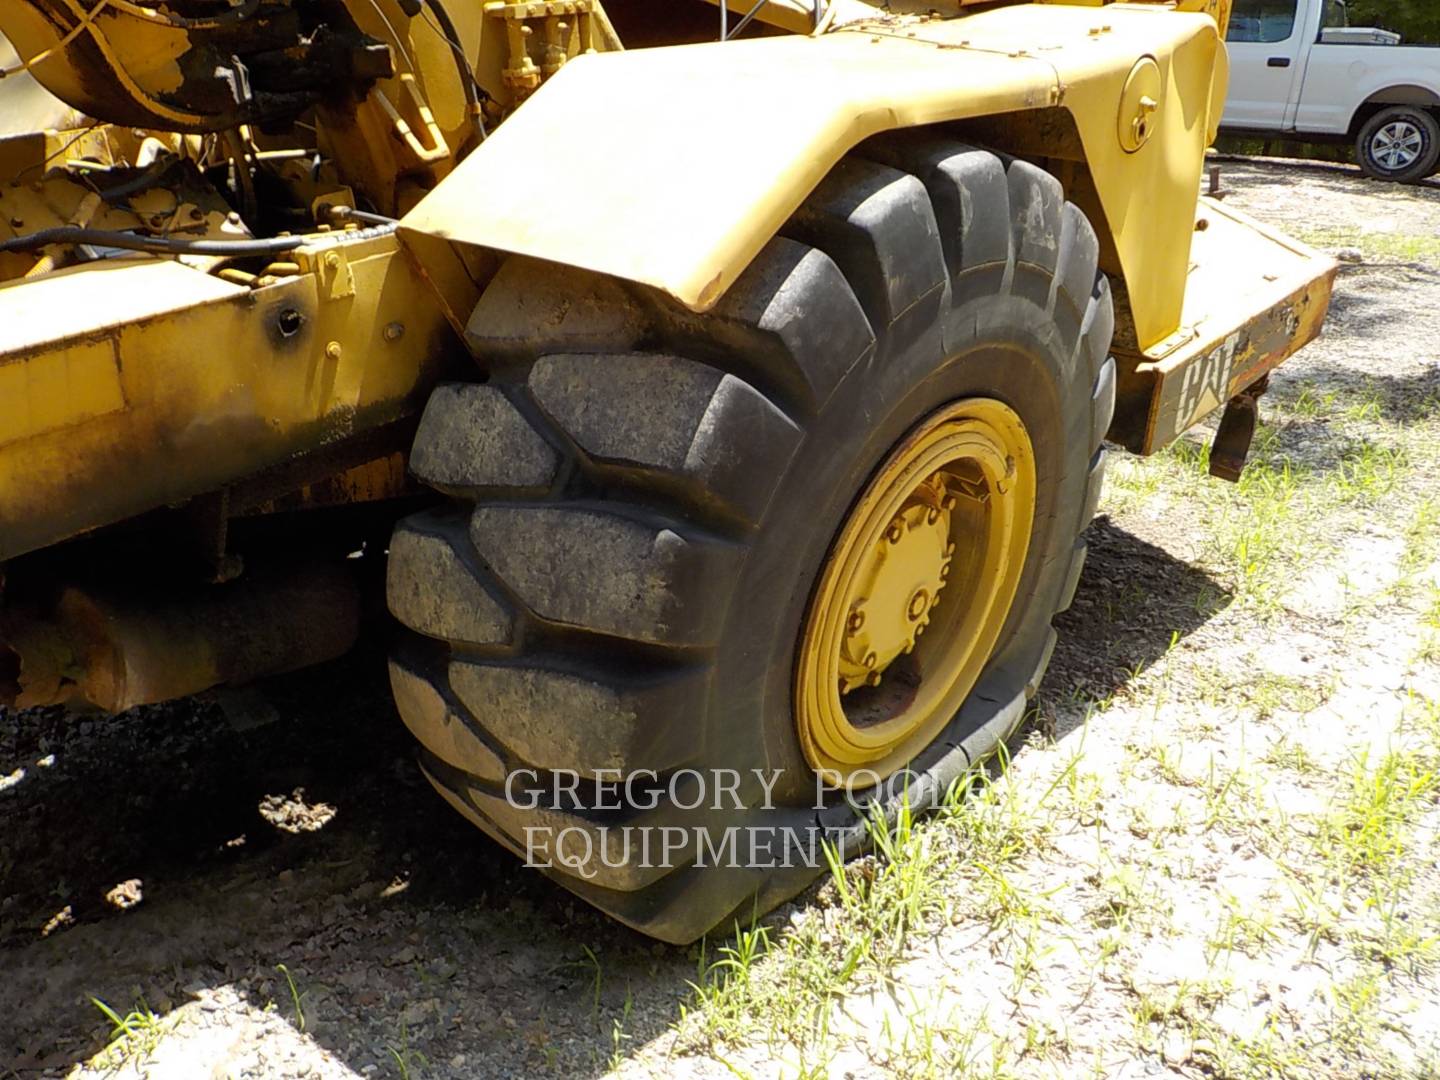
(895, 532)
(870, 660)
(873, 679)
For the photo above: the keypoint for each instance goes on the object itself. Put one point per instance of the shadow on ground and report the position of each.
(1405, 399)
(405, 929)
(1134, 602)
(1342, 175)
(409, 936)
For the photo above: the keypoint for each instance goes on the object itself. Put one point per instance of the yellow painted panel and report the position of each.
(720, 143)
(59, 389)
(97, 296)
(220, 382)
(1255, 298)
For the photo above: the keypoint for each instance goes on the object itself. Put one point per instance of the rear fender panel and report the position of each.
(673, 166)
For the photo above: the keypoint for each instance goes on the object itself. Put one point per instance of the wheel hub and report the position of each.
(1397, 145)
(914, 593)
(899, 580)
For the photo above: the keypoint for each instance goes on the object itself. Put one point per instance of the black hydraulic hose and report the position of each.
(147, 179)
(746, 20)
(467, 77)
(73, 234)
(343, 212)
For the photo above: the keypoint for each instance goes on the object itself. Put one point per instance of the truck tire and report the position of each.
(660, 527)
(1400, 143)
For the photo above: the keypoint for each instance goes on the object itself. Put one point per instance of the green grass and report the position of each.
(1379, 246)
(133, 1037)
(1258, 537)
(1227, 755)
(410, 1063)
(297, 999)
(872, 912)
(1369, 827)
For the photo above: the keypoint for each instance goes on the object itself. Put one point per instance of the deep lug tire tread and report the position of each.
(613, 475)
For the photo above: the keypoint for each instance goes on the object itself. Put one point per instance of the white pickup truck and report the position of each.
(1300, 70)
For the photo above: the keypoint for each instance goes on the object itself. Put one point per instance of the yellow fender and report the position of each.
(674, 166)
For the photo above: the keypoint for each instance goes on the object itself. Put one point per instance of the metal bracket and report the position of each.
(1236, 431)
(419, 134)
(336, 280)
(565, 32)
(209, 518)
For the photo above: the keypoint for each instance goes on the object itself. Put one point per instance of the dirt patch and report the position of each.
(1207, 858)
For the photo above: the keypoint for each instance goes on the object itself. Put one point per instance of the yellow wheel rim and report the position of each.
(914, 592)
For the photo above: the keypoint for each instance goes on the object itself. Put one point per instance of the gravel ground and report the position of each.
(292, 900)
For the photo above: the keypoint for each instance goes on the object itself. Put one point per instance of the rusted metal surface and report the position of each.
(187, 67)
(141, 383)
(111, 651)
(1200, 382)
(1237, 429)
(1223, 346)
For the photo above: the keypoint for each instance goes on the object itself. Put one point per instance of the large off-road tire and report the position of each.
(641, 502)
(1399, 143)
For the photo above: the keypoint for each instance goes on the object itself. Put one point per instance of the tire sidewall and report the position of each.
(1005, 348)
(1423, 166)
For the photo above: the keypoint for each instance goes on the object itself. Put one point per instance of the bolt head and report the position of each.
(870, 660)
(873, 679)
(895, 532)
(855, 622)
(333, 350)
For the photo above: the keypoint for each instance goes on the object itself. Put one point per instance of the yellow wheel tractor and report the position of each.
(725, 386)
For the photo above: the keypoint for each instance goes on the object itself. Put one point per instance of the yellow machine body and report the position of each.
(720, 143)
(130, 384)
(105, 415)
